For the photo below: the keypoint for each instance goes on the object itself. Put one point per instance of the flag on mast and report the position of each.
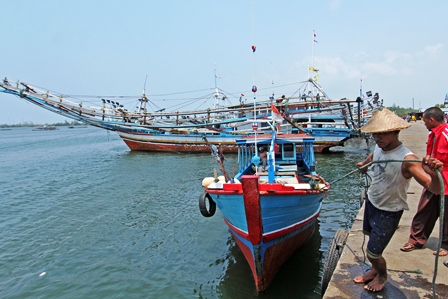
(276, 116)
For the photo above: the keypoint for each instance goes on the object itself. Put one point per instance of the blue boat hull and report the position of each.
(269, 222)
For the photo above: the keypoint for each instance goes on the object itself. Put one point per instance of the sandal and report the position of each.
(443, 252)
(408, 247)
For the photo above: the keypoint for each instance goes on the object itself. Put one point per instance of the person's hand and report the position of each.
(432, 163)
(363, 166)
(360, 166)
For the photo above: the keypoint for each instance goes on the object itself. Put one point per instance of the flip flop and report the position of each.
(408, 247)
(443, 252)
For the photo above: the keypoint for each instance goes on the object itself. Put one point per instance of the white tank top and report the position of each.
(389, 187)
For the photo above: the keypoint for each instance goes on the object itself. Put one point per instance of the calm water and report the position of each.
(83, 217)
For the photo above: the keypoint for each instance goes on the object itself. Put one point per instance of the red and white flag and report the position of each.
(276, 116)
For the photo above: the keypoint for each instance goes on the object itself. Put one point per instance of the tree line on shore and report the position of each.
(31, 124)
(405, 111)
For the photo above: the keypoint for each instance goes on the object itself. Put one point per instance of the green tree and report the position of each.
(399, 110)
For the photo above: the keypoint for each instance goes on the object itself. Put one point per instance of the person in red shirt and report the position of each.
(428, 210)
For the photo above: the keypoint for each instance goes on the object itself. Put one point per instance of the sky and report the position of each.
(166, 48)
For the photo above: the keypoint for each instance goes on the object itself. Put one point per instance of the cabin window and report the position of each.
(289, 151)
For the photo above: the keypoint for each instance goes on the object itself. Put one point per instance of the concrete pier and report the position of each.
(410, 273)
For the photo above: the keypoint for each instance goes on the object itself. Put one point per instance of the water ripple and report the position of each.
(83, 217)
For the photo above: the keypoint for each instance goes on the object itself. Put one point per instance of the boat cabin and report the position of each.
(288, 156)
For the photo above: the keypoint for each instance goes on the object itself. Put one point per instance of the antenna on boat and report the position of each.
(143, 101)
(254, 87)
(315, 78)
(360, 89)
(144, 86)
(314, 41)
(216, 89)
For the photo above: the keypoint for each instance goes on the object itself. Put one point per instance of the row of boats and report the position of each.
(330, 122)
(272, 204)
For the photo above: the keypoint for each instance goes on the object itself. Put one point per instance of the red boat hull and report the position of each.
(274, 257)
(170, 147)
(194, 148)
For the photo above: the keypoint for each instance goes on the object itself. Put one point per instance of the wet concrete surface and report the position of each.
(410, 274)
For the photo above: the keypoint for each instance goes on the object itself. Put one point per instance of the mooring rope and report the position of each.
(441, 214)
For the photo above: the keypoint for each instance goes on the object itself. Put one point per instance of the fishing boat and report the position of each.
(271, 213)
(330, 122)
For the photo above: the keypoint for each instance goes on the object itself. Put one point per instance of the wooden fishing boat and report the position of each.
(330, 122)
(271, 213)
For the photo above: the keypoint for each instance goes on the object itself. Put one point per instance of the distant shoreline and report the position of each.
(30, 125)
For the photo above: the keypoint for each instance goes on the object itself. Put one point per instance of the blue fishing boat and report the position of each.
(270, 213)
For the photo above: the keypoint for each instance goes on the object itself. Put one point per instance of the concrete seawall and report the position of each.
(410, 273)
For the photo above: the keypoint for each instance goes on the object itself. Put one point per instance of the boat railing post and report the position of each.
(239, 158)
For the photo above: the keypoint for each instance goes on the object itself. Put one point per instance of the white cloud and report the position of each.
(336, 66)
(432, 49)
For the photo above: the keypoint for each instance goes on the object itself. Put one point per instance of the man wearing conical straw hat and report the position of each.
(386, 197)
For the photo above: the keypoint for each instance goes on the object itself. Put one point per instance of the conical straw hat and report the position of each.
(384, 120)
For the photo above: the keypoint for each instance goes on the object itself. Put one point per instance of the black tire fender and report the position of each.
(204, 200)
(334, 253)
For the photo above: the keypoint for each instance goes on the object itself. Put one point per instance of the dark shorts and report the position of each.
(380, 226)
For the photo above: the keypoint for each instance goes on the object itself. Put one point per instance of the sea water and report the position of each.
(81, 216)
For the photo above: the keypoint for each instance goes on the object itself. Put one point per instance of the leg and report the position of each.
(369, 214)
(445, 225)
(444, 248)
(378, 282)
(383, 225)
(424, 220)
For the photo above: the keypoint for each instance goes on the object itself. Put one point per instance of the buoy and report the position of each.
(207, 181)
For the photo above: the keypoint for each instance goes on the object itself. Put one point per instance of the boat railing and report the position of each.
(307, 156)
